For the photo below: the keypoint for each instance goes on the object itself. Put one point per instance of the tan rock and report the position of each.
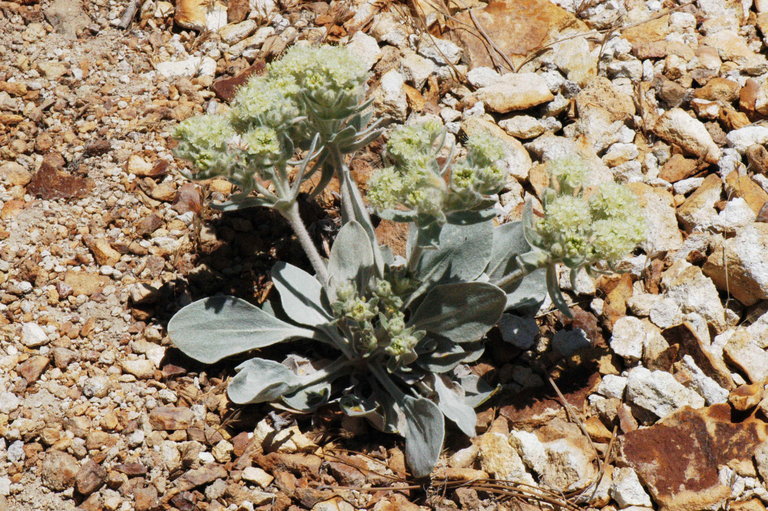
(84, 283)
(12, 208)
(718, 89)
(500, 459)
(699, 208)
(103, 252)
(678, 128)
(739, 265)
(658, 208)
(517, 27)
(655, 29)
(685, 284)
(170, 418)
(691, 442)
(746, 188)
(746, 397)
(742, 351)
(191, 14)
(33, 368)
(14, 174)
(600, 92)
(59, 470)
(140, 368)
(136, 164)
(52, 70)
(677, 168)
(515, 91)
(730, 45)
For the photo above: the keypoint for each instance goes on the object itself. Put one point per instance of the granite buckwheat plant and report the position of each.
(403, 328)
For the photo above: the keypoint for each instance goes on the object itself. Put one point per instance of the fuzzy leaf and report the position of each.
(300, 294)
(508, 242)
(447, 355)
(462, 312)
(351, 256)
(351, 195)
(451, 402)
(217, 327)
(424, 434)
(259, 381)
(237, 205)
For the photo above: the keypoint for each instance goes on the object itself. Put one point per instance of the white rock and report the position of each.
(665, 312)
(140, 368)
(207, 67)
(694, 292)
(632, 69)
(531, 450)
(742, 138)
(416, 68)
(612, 385)
(441, 51)
(736, 215)
(216, 17)
(235, 32)
(252, 43)
(8, 402)
(388, 28)
(499, 459)
(626, 489)
(391, 94)
(677, 127)
(686, 186)
(5, 486)
(711, 391)
(258, 476)
(32, 335)
(659, 392)
(519, 331)
(631, 335)
(482, 76)
(365, 48)
(523, 126)
(515, 91)
(175, 68)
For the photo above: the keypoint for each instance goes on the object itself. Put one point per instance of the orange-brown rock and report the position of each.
(678, 459)
(677, 168)
(517, 27)
(746, 188)
(746, 397)
(718, 89)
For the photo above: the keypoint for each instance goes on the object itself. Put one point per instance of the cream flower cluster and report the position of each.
(416, 182)
(582, 228)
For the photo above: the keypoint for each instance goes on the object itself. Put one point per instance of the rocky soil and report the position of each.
(652, 397)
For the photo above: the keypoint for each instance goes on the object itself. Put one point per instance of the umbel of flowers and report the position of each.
(383, 337)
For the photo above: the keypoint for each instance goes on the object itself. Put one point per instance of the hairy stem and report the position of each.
(291, 213)
(511, 278)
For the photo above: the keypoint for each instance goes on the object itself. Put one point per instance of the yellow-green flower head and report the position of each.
(565, 214)
(568, 173)
(360, 310)
(263, 101)
(614, 238)
(262, 143)
(320, 68)
(484, 150)
(204, 141)
(612, 200)
(385, 188)
(413, 146)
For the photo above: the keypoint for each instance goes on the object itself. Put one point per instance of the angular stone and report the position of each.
(679, 458)
(694, 292)
(677, 127)
(103, 252)
(632, 337)
(238, 31)
(718, 89)
(33, 368)
(145, 498)
(746, 188)
(698, 210)
(658, 392)
(90, 477)
(746, 397)
(600, 92)
(14, 174)
(59, 470)
(659, 212)
(258, 476)
(743, 352)
(740, 267)
(32, 335)
(169, 418)
(83, 283)
(200, 476)
(515, 91)
(517, 27)
(742, 138)
(626, 489)
(499, 459)
(140, 368)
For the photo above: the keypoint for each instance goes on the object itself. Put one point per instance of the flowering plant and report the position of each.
(401, 330)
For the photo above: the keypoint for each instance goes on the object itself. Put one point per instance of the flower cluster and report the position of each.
(310, 90)
(580, 229)
(377, 321)
(416, 182)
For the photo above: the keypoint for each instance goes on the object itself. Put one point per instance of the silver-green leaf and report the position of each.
(351, 256)
(450, 400)
(300, 294)
(424, 434)
(211, 329)
(462, 312)
(259, 381)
